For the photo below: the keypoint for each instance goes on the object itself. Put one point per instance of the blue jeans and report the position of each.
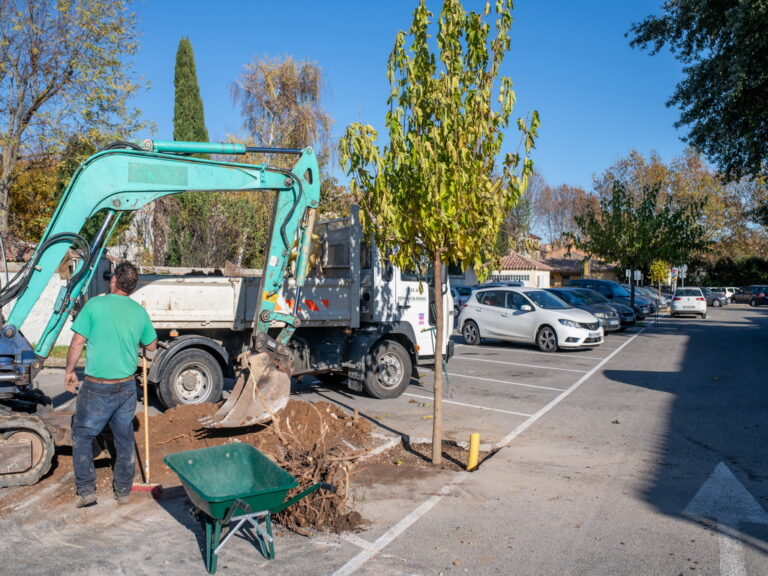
(99, 404)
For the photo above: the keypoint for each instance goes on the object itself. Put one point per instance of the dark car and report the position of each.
(614, 292)
(754, 295)
(626, 314)
(514, 283)
(609, 318)
(742, 295)
(759, 295)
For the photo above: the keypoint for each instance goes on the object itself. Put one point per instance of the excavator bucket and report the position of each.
(260, 392)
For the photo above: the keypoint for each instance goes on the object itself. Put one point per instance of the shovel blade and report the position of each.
(260, 392)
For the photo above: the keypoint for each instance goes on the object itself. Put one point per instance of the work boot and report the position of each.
(85, 500)
(121, 498)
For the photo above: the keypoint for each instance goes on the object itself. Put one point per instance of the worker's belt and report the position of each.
(108, 380)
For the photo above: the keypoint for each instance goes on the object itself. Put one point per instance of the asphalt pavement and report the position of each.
(643, 456)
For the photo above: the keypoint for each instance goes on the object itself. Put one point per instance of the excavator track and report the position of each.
(26, 449)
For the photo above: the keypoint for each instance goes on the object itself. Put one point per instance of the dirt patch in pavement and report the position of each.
(314, 442)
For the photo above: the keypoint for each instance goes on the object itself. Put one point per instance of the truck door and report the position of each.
(413, 307)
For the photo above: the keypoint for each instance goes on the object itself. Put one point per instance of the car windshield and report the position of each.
(688, 292)
(546, 300)
(571, 297)
(593, 297)
(464, 290)
(620, 291)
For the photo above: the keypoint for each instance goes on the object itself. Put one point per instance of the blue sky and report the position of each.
(598, 98)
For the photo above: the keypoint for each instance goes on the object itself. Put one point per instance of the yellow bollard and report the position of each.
(474, 451)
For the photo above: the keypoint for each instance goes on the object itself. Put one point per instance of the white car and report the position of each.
(528, 315)
(689, 300)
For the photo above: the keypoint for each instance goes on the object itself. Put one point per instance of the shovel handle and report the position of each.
(146, 417)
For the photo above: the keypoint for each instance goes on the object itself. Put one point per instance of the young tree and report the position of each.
(724, 48)
(63, 71)
(432, 190)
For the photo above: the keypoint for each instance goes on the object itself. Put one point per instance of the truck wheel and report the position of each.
(33, 430)
(388, 370)
(192, 376)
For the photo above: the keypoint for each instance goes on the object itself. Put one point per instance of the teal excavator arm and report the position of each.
(124, 178)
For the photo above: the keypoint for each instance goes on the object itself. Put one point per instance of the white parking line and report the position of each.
(385, 539)
(470, 405)
(525, 365)
(559, 356)
(497, 381)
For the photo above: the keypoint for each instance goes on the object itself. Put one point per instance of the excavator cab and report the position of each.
(123, 178)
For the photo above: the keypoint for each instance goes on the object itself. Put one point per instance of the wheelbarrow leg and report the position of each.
(212, 536)
(215, 546)
(270, 549)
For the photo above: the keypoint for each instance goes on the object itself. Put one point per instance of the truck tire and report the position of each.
(388, 370)
(192, 376)
(28, 428)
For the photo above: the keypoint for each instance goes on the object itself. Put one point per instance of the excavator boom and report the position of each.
(123, 178)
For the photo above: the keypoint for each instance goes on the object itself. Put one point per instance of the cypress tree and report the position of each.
(188, 116)
(181, 222)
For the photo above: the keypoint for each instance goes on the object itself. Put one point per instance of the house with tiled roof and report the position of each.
(513, 267)
(569, 263)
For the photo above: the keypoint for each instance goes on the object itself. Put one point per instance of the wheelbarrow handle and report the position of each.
(300, 495)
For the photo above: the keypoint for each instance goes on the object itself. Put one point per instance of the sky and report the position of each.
(598, 98)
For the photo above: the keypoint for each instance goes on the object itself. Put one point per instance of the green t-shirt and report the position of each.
(113, 326)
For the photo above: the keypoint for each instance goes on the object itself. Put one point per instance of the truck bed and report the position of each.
(224, 302)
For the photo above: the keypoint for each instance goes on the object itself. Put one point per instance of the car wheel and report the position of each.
(704, 316)
(546, 339)
(716, 303)
(753, 303)
(471, 333)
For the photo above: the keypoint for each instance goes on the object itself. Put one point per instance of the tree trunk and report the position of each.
(5, 194)
(437, 420)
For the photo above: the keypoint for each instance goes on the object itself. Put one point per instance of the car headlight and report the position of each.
(570, 323)
(601, 315)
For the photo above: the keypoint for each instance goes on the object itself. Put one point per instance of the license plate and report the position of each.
(594, 334)
(612, 322)
(688, 307)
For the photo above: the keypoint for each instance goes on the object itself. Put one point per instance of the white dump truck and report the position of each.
(361, 319)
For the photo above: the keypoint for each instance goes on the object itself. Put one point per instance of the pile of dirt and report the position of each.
(314, 442)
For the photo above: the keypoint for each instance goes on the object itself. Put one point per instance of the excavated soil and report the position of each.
(314, 442)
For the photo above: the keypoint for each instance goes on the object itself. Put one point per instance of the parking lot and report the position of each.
(618, 456)
(494, 389)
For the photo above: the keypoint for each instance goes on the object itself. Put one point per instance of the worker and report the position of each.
(113, 326)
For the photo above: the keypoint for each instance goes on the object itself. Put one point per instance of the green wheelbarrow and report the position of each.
(234, 486)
